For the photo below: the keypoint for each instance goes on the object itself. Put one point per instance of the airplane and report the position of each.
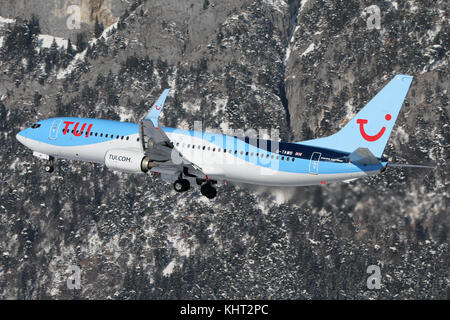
(189, 157)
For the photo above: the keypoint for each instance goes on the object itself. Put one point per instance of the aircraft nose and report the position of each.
(20, 137)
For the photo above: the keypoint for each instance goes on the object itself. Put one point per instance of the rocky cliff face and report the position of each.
(301, 67)
(65, 18)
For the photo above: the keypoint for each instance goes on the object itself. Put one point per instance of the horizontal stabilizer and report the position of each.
(363, 156)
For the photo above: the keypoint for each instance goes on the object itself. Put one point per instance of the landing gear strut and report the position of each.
(181, 185)
(208, 191)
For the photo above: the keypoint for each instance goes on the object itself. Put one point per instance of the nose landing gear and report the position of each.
(49, 166)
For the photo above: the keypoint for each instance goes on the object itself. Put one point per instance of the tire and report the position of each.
(49, 168)
(208, 191)
(178, 186)
(181, 185)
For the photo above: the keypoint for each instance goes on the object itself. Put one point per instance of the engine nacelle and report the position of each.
(127, 161)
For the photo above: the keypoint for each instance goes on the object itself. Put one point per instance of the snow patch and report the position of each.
(303, 4)
(181, 246)
(311, 47)
(169, 269)
(125, 114)
(192, 106)
(79, 57)
(278, 5)
(45, 41)
(4, 21)
(413, 6)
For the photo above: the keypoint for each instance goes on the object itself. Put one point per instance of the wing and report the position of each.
(160, 150)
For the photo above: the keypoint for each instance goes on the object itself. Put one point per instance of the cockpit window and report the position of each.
(35, 126)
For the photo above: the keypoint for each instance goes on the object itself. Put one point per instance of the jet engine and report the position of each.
(128, 161)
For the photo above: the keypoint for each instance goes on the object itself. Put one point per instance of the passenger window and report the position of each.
(204, 147)
(106, 135)
(282, 158)
(293, 159)
(121, 137)
(101, 134)
(128, 138)
(246, 153)
(287, 159)
(95, 133)
(35, 126)
(214, 149)
(193, 146)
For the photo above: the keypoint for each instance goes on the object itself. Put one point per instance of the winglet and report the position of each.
(156, 109)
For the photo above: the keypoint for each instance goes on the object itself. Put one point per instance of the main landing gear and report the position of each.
(208, 190)
(181, 185)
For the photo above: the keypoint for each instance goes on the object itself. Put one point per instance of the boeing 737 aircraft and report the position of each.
(186, 157)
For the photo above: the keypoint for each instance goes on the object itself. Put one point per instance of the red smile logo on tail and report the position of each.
(368, 137)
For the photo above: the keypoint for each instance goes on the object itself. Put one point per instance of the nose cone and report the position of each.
(20, 137)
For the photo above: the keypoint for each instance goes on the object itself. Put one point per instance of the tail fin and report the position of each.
(372, 126)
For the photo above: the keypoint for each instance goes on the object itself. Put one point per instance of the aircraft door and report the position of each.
(314, 163)
(53, 134)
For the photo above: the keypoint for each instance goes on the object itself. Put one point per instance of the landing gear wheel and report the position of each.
(49, 168)
(181, 185)
(208, 191)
